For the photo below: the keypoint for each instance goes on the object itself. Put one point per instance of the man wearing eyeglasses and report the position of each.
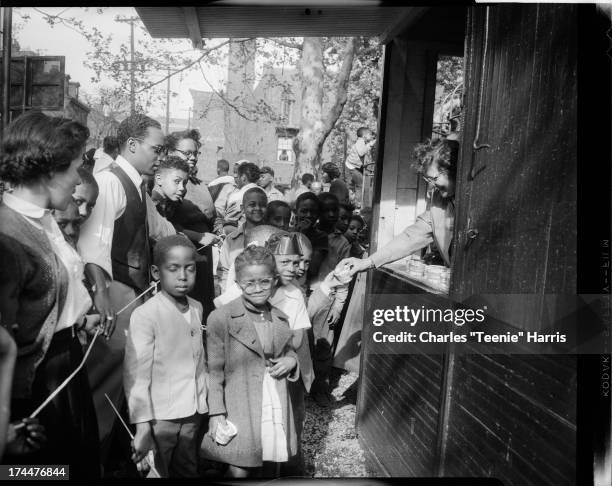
(437, 164)
(114, 245)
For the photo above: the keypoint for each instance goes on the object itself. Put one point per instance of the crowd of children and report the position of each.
(222, 382)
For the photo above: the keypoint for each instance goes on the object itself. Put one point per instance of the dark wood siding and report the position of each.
(522, 196)
(510, 417)
(400, 396)
(514, 417)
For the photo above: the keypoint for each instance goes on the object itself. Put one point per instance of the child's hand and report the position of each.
(214, 422)
(354, 265)
(105, 309)
(143, 442)
(92, 322)
(26, 439)
(282, 367)
(209, 239)
(333, 317)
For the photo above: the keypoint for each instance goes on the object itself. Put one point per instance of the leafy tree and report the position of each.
(339, 80)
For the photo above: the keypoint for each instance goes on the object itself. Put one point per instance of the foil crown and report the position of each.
(283, 244)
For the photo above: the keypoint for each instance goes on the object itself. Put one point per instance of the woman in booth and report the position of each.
(437, 163)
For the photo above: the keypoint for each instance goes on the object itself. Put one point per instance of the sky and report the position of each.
(37, 35)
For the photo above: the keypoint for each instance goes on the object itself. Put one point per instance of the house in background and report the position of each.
(256, 123)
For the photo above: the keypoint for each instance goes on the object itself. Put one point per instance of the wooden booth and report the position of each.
(507, 416)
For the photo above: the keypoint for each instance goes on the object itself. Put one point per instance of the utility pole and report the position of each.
(131, 21)
(168, 103)
(7, 17)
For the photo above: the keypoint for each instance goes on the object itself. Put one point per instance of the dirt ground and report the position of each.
(331, 448)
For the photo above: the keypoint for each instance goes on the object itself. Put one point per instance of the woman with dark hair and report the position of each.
(186, 144)
(43, 302)
(436, 162)
(189, 217)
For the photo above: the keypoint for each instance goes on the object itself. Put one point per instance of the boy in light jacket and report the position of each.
(165, 375)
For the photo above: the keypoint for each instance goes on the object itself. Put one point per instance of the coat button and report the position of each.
(192, 333)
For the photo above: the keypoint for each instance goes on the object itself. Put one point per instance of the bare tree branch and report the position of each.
(184, 68)
(280, 42)
(224, 99)
(65, 22)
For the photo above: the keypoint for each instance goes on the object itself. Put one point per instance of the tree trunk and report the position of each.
(311, 71)
(314, 126)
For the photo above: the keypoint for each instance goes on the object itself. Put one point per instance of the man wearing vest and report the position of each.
(114, 244)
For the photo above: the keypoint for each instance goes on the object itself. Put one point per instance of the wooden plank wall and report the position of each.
(400, 397)
(514, 417)
(511, 417)
(522, 199)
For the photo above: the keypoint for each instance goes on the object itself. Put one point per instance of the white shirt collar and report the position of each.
(130, 171)
(26, 208)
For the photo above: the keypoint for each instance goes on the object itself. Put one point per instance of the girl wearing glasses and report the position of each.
(250, 361)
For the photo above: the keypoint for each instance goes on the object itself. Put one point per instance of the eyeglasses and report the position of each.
(251, 285)
(189, 153)
(158, 149)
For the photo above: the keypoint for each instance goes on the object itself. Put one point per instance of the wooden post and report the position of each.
(131, 21)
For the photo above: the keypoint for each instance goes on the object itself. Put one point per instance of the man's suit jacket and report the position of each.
(435, 225)
(164, 372)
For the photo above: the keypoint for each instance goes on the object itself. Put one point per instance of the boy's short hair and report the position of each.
(254, 255)
(328, 196)
(135, 126)
(165, 244)
(331, 169)
(266, 169)
(87, 178)
(361, 131)
(250, 170)
(359, 219)
(110, 144)
(254, 190)
(347, 207)
(223, 165)
(274, 205)
(308, 196)
(306, 178)
(173, 162)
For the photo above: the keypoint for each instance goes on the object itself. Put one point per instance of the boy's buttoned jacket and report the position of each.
(164, 372)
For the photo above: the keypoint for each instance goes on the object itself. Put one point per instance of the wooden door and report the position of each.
(514, 417)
